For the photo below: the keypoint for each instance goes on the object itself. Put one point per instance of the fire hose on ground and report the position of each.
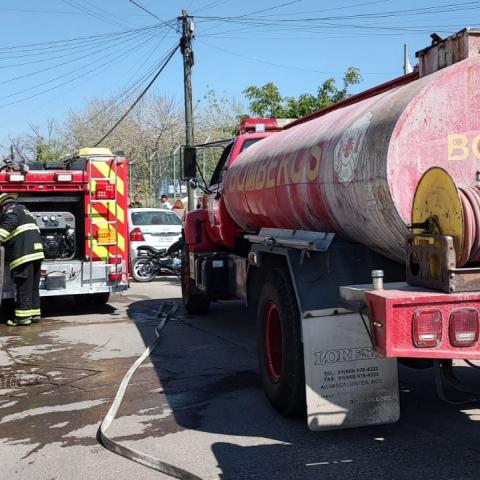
(165, 312)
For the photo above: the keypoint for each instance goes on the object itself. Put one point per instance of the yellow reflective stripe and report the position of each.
(23, 313)
(4, 233)
(21, 229)
(35, 311)
(37, 246)
(26, 258)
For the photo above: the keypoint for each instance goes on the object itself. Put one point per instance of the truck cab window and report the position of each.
(250, 142)
(221, 165)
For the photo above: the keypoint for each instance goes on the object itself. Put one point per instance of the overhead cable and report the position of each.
(83, 74)
(152, 14)
(145, 90)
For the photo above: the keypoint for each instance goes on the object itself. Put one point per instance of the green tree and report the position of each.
(45, 153)
(266, 101)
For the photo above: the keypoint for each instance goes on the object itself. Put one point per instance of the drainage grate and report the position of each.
(22, 379)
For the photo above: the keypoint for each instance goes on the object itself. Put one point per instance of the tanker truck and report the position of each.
(354, 236)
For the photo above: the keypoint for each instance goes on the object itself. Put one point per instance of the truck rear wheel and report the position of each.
(280, 349)
(194, 301)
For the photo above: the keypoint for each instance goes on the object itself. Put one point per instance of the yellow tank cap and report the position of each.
(90, 152)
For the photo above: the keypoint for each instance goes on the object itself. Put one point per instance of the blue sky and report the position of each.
(296, 44)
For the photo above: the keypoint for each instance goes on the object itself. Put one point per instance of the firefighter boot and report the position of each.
(19, 322)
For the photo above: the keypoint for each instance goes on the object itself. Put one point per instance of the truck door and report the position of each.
(214, 199)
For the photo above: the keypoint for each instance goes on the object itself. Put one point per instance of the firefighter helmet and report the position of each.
(7, 196)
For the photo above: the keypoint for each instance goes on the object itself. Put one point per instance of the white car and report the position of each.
(155, 227)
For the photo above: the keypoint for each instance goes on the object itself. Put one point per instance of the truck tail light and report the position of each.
(63, 177)
(115, 260)
(463, 327)
(136, 235)
(115, 272)
(115, 277)
(105, 191)
(427, 328)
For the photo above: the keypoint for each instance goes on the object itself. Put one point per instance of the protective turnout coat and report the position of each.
(20, 235)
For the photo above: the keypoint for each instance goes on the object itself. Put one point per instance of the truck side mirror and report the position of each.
(189, 162)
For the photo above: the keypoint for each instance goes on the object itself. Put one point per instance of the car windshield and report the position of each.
(155, 218)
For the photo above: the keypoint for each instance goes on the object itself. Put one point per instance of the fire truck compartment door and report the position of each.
(348, 384)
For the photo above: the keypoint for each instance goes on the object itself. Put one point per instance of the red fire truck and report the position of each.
(305, 226)
(80, 206)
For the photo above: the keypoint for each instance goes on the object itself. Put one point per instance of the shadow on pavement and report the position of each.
(60, 306)
(207, 368)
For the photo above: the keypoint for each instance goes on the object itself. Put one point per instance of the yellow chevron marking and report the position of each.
(108, 172)
(121, 242)
(120, 212)
(100, 251)
(98, 216)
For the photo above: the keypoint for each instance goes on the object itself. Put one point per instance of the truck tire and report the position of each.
(194, 301)
(280, 348)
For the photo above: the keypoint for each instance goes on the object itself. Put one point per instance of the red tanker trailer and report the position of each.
(306, 226)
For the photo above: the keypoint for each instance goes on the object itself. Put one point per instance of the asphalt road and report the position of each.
(197, 403)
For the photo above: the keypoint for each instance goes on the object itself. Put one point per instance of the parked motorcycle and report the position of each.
(151, 261)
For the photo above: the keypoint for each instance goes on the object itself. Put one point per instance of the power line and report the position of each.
(69, 50)
(145, 90)
(269, 20)
(151, 13)
(108, 62)
(214, 4)
(289, 67)
(77, 81)
(90, 12)
(102, 10)
(129, 90)
(72, 60)
(52, 44)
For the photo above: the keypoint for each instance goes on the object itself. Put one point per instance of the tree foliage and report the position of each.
(266, 101)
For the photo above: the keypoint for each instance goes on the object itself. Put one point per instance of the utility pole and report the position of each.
(187, 52)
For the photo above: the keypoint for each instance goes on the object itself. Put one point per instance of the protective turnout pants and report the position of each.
(27, 280)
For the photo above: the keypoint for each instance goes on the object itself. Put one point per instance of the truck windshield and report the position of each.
(250, 142)
(217, 174)
(155, 218)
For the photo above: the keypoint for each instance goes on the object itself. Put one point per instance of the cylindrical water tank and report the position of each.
(354, 170)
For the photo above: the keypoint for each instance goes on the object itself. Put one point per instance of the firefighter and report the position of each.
(21, 238)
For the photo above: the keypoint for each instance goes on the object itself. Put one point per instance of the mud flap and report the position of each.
(348, 384)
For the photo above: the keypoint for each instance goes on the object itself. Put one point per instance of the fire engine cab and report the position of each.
(80, 208)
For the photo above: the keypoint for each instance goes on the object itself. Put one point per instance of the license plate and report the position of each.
(163, 238)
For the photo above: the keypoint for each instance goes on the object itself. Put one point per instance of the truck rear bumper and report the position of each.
(79, 278)
(413, 322)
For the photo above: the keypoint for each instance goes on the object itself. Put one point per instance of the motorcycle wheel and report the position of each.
(143, 270)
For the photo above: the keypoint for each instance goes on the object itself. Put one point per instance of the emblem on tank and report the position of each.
(349, 147)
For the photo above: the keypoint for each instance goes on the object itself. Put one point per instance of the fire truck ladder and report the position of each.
(92, 215)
